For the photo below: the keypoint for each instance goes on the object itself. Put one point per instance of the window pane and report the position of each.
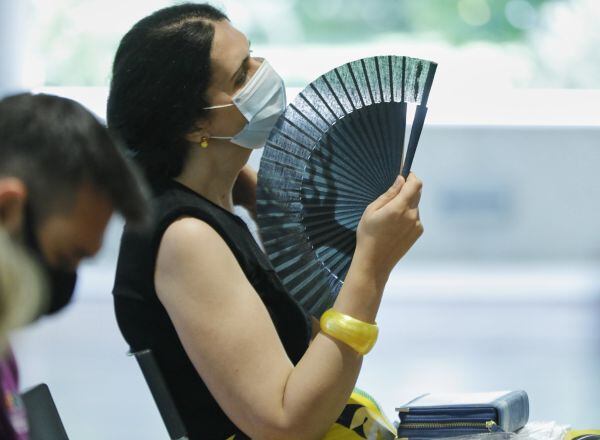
(499, 43)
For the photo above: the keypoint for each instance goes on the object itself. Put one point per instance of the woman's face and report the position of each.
(232, 67)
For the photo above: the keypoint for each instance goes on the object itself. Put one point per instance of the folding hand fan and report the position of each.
(338, 146)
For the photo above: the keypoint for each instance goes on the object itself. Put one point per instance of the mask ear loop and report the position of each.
(218, 106)
(204, 141)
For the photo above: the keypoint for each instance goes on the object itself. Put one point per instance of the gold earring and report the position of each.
(204, 142)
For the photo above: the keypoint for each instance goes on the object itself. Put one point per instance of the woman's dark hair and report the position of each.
(160, 76)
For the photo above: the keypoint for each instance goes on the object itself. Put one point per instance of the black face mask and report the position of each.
(61, 283)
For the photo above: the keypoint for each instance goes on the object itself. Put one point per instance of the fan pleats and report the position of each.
(337, 147)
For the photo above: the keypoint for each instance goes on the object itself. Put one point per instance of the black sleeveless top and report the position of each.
(145, 324)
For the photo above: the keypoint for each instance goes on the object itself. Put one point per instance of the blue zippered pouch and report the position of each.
(450, 415)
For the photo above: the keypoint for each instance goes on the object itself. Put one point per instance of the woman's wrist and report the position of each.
(362, 290)
(368, 269)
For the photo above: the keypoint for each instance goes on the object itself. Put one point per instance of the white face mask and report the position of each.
(261, 101)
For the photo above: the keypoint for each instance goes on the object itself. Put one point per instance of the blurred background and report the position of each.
(502, 291)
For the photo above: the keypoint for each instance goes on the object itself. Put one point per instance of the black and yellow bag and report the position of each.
(361, 419)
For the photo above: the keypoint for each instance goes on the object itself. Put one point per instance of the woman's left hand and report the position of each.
(244, 190)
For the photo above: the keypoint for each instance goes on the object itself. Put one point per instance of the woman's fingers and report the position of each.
(392, 192)
(409, 195)
(403, 193)
(391, 224)
(416, 201)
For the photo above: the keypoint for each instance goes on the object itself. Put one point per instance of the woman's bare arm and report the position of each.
(231, 340)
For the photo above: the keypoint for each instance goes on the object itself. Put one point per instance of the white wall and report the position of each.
(14, 37)
(509, 192)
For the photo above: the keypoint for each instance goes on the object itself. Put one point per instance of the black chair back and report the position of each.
(160, 393)
(42, 415)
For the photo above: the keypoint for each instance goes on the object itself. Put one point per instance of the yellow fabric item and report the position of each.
(574, 434)
(339, 432)
(360, 336)
(361, 419)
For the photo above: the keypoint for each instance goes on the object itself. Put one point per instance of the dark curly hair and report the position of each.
(160, 76)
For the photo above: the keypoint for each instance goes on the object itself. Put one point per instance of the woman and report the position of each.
(237, 352)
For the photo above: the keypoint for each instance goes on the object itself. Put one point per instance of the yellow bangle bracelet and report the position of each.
(359, 335)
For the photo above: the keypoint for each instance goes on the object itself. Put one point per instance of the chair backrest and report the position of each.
(42, 415)
(160, 393)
